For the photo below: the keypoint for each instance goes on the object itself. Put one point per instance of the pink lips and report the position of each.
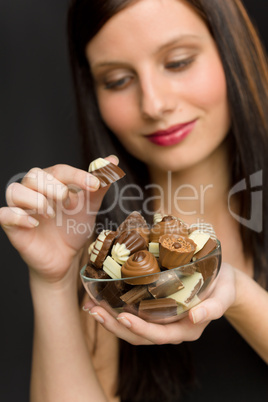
(173, 135)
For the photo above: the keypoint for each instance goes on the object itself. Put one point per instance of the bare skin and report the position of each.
(155, 95)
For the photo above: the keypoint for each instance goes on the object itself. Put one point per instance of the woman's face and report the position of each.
(160, 83)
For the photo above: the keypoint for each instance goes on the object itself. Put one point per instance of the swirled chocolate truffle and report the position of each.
(175, 250)
(140, 263)
(168, 225)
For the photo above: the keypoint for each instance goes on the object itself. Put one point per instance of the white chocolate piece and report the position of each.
(91, 247)
(205, 228)
(158, 218)
(120, 253)
(192, 285)
(98, 245)
(193, 303)
(154, 248)
(112, 268)
(200, 239)
(97, 164)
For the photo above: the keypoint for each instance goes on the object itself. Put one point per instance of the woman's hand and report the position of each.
(50, 216)
(139, 332)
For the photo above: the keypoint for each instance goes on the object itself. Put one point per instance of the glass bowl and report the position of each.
(168, 296)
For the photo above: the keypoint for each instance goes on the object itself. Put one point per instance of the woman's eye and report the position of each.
(117, 84)
(179, 64)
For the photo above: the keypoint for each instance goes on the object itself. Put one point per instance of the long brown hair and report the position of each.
(245, 67)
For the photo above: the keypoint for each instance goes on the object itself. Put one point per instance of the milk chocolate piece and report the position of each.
(207, 267)
(206, 249)
(168, 225)
(167, 284)
(105, 171)
(92, 272)
(101, 247)
(127, 243)
(157, 308)
(175, 250)
(140, 263)
(135, 221)
(136, 294)
(192, 285)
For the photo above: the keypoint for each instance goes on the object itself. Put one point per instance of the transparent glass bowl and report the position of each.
(160, 301)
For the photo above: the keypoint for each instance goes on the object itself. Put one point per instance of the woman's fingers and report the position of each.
(222, 297)
(138, 332)
(16, 217)
(20, 196)
(113, 325)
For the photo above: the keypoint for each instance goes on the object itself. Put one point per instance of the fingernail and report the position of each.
(97, 317)
(50, 212)
(33, 221)
(84, 308)
(115, 157)
(199, 315)
(92, 182)
(124, 321)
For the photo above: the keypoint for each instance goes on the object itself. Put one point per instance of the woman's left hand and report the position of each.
(139, 332)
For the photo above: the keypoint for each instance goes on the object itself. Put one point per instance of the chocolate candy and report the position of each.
(126, 244)
(209, 246)
(168, 225)
(167, 284)
(136, 294)
(105, 171)
(157, 308)
(112, 268)
(101, 247)
(140, 263)
(92, 272)
(175, 250)
(135, 221)
(192, 285)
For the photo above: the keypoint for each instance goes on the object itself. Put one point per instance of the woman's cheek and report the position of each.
(116, 112)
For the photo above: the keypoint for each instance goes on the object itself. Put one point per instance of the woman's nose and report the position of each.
(156, 98)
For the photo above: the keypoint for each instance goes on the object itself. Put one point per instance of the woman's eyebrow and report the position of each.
(177, 40)
(170, 43)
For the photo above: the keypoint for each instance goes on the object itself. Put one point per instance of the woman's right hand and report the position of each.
(50, 216)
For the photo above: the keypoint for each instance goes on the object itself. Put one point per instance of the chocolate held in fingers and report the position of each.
(105, 171)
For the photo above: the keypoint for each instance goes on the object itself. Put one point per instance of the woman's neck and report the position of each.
(195, 194)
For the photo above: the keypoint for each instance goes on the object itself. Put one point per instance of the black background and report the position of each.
(37, 128)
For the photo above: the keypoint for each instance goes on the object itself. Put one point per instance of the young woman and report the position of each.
(178, 90)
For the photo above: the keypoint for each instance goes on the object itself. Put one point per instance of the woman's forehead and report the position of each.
(153, 22)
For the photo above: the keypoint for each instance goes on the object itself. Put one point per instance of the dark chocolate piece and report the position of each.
(92, 272)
